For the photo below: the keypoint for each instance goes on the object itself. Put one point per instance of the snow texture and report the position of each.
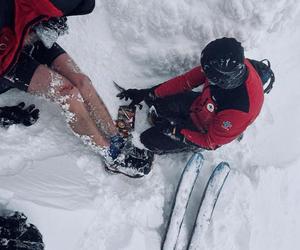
(47, 173)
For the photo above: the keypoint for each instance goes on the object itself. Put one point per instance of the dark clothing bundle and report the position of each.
(17, 234)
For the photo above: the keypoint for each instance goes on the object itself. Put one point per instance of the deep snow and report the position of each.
(60, 184)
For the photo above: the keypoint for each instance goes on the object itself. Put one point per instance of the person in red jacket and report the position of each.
(230, 99)
(31, 60)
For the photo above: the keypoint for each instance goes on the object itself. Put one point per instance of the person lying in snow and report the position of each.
(183, 120)
(32, 61)
(17, 234)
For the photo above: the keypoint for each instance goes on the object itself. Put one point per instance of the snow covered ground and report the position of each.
(61, 186)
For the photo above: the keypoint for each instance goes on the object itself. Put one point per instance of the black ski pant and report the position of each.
(175, 108)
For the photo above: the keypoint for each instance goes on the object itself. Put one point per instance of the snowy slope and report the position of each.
(47, 173)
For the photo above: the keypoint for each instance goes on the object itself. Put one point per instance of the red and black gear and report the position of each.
(19, 16)
(220, 115)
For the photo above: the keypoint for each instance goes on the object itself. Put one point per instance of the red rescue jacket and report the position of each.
(220, 115)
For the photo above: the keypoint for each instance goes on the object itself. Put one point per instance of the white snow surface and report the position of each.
(61, 185)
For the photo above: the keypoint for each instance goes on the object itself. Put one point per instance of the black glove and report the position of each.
(17, 233)
(18, 114)
(137, 95)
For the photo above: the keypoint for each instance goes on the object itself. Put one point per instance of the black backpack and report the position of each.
(263, 68)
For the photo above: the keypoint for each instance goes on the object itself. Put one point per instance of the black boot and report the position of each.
(132, 161)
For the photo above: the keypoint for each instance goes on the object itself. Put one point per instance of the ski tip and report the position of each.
(196, 159)
(223, 167)
(224, 164)
(198, 156)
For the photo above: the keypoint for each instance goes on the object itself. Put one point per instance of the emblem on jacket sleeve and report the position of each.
(210, 107)
(227, 125)
(3, 44)
(6, 39)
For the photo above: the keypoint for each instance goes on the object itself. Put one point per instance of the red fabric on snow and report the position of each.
(27, 13)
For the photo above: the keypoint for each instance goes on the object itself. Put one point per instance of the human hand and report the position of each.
(136, 95)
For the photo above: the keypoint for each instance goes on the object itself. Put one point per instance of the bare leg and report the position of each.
(59, 89)
(132, 161)
(65, 66)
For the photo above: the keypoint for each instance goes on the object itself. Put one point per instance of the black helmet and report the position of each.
(222, 61)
